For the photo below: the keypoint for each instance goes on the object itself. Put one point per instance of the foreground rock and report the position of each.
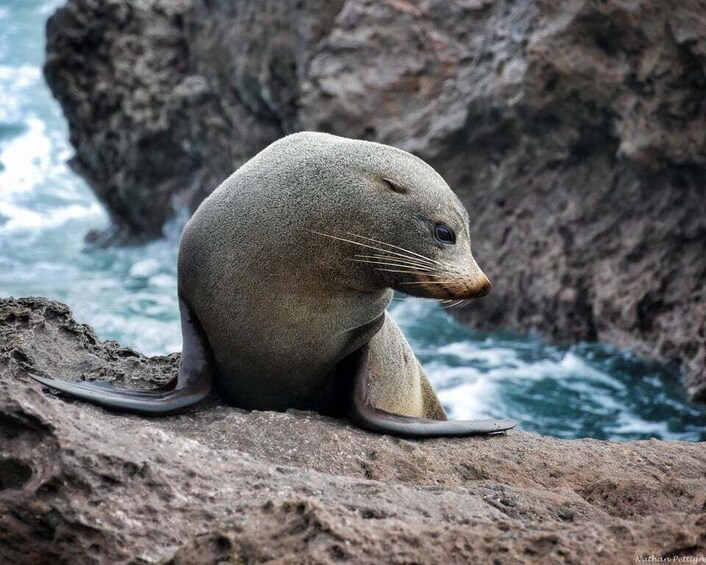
(573, 131)
(81, 485)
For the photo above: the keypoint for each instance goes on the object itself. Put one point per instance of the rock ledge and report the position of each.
(79, 484)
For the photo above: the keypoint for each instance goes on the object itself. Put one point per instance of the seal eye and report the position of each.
(395, 186)
(444, 234)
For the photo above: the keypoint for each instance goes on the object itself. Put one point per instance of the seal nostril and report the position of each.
(484, 289)
(14, 473)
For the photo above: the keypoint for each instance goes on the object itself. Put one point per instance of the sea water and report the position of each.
(129, 294)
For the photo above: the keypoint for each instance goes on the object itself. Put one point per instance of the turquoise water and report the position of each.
(129, 294)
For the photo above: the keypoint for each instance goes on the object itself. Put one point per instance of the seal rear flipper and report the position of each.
(193, 384)
(365, 415)
(141, 402)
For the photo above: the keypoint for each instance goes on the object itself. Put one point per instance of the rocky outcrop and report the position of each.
(79, 484)
(159, 111)
(573, 131)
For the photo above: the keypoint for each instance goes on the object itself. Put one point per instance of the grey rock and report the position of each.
(79, 484)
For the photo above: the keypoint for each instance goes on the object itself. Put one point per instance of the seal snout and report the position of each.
(479, 289)
(484, 288)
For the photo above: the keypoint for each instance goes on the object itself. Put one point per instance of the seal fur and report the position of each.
(285, 272)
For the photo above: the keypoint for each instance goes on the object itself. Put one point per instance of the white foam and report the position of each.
(17, 83)
(473, 399)
(145, 268)
(163, 281)
(471, 352)
(29, 160)
(628, 423)
(26, 159)
(22, 219)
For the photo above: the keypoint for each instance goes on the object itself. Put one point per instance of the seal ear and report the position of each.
(395, 186)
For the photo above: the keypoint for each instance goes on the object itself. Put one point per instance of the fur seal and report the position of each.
(285, 272)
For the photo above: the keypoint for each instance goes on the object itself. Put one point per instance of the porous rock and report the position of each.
(79, 484)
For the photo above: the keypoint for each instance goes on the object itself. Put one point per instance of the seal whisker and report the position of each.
(454, 304)
(408, 261)
(360, 244)
(428, 282)
(392, 263)
(394, 247)
(383, 259)
(408, 271)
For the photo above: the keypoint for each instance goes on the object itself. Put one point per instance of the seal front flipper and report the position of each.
(365, 415)
(193, 384)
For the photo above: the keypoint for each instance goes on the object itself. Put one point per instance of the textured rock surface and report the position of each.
(82, 485)
(160, 109)
(573, 131)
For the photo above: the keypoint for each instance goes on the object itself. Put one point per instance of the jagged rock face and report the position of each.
(575, 133)
(79, 484)
(166, 98)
